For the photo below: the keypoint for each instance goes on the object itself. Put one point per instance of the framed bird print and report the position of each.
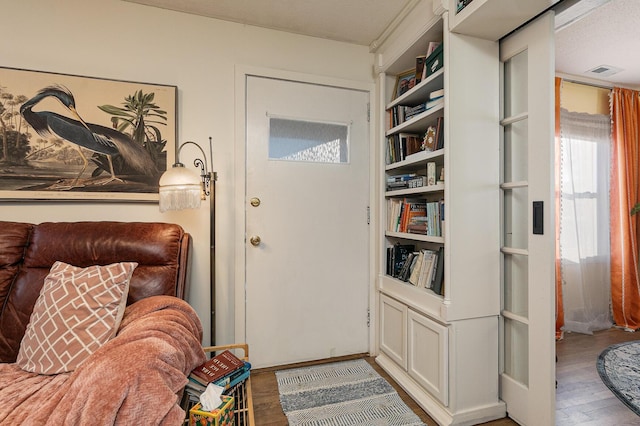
(67, 137)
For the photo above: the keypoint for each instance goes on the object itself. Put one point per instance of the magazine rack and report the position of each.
(243, 410)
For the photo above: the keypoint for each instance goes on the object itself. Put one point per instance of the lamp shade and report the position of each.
(180, 188)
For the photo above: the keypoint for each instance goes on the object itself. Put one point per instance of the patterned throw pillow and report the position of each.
(78, 310)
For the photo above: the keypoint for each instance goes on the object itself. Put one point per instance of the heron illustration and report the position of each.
(100, 139)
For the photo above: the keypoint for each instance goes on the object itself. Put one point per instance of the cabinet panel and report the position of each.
(393, 330)
(428, 355)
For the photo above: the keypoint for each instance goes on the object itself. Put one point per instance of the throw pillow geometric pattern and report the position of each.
(78, 310)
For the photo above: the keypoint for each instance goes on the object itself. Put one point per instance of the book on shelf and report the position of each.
(412, 142)
(410, 112)
(461, 4)
(433, 45)
(397, 115)
(404, 181)
(431, 173)
(437, 283)
(401, 177)
(436, 94)
(416, 268)
(400, 145)
(217, 367)
(432, 103)
(417, 182)
(414, 212)
(428, 265)
(397, 256)
(434, 61)
(420, 61)
(417, 228)
(439, 135)
(407, 267)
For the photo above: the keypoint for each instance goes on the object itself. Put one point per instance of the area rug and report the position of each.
(619, 369)
(344, 393)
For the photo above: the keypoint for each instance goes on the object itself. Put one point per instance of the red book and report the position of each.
(219, 366)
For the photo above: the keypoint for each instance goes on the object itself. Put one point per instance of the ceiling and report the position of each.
(592, 33)
(608, 35)
(353, 21)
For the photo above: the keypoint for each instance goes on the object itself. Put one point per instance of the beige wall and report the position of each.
(120, 40)
(584, 98)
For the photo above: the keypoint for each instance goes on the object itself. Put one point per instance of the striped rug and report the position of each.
(341, 394)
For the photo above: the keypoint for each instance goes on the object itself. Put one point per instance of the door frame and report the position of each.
(242, 72)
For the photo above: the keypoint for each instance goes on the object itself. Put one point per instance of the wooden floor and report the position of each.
(581, 397)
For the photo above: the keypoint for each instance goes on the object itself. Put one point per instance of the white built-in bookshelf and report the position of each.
(441, 346)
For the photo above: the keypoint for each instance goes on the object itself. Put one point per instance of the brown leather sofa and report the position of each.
(136, 377)
(27, 252)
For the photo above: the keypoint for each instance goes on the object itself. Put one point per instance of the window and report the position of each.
(309, 141)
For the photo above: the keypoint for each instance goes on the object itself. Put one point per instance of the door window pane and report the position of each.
(515, 151)
(515, 218)
(516, 345)
(516, 284)
(296, 140)
(515, 85)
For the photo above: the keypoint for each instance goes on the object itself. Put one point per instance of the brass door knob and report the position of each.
(255, 240)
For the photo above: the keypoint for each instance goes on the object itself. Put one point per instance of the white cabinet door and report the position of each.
(428, 355)
(393, 330)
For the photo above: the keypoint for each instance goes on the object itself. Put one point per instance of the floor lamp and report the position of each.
(181, 188)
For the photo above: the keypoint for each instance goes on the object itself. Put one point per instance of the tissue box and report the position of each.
(221, 416)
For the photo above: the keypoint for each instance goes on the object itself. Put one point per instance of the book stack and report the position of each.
(400, 145)
(410, 112)
(423, 268)
(224, 370)
(397, 256)
(405, 181)
(415, 216)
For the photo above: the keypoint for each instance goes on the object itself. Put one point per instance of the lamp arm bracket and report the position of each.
(205, 174)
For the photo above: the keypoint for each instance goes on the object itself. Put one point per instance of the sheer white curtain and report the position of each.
(585, 141)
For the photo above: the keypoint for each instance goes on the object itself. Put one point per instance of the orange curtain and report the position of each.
(625, 187)
(559, 305)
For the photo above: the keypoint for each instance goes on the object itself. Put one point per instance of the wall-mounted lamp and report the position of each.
(182, 188)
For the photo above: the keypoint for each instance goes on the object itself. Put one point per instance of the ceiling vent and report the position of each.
(603, 71)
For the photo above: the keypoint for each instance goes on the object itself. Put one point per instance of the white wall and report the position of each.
(119, 40)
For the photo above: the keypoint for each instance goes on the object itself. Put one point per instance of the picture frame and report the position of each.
(404, 81)
(80, 138)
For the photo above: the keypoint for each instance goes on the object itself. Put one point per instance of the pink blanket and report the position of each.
(135, 378)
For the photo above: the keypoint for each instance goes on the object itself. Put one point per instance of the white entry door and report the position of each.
(527, 380)
(307, 232)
